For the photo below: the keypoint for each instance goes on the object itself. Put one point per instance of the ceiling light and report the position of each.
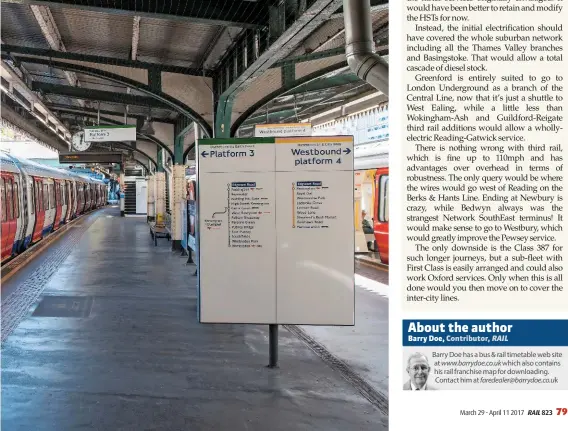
(147, 128)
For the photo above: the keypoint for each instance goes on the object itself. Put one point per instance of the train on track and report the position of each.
(371, 168)
(36, 200)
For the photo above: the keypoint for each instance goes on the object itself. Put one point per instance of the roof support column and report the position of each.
(178, 192)
(122, 189)
(223, 109)
(151, 211)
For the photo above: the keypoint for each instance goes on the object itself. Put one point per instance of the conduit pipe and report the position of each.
(360, 47)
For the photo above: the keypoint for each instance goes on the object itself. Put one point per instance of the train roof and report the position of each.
(7, 163)
(10, 163)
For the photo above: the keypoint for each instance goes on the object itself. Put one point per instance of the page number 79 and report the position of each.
(562, 411)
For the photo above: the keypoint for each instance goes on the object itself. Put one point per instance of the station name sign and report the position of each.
(91, 157)
(110, 133)
(279, 130)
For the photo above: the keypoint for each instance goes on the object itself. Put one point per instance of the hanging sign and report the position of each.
(289, 129)
(110, 133)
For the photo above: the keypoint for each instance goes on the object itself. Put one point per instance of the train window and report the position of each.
(46, 205)
(36, 196)
(40, 196)
(3, 199)
(16, 201)
(384, 198)
(9, 201)
(51, 196)
(32, 200)
(63, 193)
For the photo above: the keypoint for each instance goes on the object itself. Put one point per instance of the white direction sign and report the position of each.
(276, 230)
(280, 130)
(110, 133)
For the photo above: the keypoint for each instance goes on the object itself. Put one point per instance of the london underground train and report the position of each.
(371, 164)
(37, 200)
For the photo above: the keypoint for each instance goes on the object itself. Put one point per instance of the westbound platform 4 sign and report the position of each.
(276, 230)
(279, 130)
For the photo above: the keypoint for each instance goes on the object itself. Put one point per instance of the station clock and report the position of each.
(79, 142)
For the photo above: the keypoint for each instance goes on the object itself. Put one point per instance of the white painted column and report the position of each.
(122, 189)
(151, 200)
(160, 197)
(179, 192)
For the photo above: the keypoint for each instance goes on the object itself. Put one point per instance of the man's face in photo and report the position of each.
(418, 370)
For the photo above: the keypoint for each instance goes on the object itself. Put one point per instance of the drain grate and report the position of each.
(64, 306)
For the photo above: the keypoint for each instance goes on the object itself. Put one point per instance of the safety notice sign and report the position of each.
(276, 231)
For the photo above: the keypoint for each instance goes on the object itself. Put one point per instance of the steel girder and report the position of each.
(49, 53)
(284, 90)
(223, 12)
(160, 96)
(98, 95)
(51, 139)
(128, 147)
(254, 52)
(82, 110)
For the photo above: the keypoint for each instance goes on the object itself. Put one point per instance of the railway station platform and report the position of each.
(100, 332)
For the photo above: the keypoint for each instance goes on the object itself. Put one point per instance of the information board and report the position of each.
(276, 230)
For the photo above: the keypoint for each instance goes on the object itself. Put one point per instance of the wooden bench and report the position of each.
(159, 231)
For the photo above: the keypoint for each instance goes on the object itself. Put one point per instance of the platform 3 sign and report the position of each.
(110, 133)
(276, 230)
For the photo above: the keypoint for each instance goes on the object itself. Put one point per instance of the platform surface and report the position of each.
(117, 346)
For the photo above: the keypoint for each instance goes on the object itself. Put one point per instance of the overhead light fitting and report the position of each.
(147, 128)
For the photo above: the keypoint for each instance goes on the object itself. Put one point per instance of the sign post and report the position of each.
(276, 214)
(183, 218)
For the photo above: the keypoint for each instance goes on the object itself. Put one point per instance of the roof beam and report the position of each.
(235, 75)
(236, 13)
(28, 126)
(56, 107)
(376, 6)
(171, 102)
(98, 95)
(38, 52)
(135, 37)
(51, 33)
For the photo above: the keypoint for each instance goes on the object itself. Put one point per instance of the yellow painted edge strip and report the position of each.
(32, 252)
(262, 126)
(348, 139)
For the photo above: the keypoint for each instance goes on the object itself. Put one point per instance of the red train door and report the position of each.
(5, 232)
(39, 209)
(382, 213)
(8, 217)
